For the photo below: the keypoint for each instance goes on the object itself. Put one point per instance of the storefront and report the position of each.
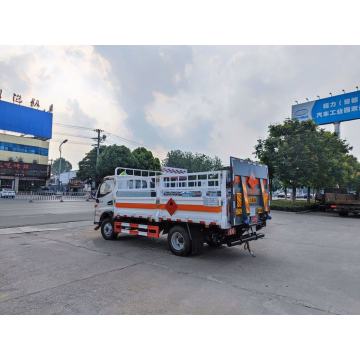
(23, 177)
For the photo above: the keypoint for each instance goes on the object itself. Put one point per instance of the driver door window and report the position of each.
(105, 188)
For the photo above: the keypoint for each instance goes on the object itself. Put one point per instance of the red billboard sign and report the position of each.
(18, 169)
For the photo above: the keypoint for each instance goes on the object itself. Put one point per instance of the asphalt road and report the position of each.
(22, 212)
(306, 264)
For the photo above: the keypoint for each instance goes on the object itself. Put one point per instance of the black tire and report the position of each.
(179, 241)
(343, 213)
(106, 225)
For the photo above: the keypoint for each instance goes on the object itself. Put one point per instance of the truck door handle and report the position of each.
(110, 202)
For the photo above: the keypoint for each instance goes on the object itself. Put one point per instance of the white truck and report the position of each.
(228, 206)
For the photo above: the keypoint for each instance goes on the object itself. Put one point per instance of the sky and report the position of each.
(216, 100)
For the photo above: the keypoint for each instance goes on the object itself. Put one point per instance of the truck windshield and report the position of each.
(105, 188)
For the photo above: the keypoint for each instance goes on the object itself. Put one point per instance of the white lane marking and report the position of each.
(44, 227)
(24, 229)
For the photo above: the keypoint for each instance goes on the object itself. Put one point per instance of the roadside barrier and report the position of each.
(63, 196)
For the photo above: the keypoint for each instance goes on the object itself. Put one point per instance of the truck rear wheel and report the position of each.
(107, 230)
(179, 241)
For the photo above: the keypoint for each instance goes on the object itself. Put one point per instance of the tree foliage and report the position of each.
(64, 166)
(87, 166)
(193, 162)
(114, 156)
(301, 154)
(144, 159)
(351, 173)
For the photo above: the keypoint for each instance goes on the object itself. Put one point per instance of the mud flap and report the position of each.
(196, 239)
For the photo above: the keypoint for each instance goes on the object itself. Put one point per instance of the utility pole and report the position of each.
(62, 143)
(99, 139)
(337, 128)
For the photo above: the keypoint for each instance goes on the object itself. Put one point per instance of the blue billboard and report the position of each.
(25, 120)
(329, 110)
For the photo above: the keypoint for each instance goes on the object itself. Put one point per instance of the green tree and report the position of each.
(287, 152)
(145, 159)
(265, 152)
(351, 171)
(112, 157)
(193, 162)
(331, 155)
(87, 166)
(64, 166)
(302, 154)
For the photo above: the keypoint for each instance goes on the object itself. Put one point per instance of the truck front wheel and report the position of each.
(107, 230)
(179, 241)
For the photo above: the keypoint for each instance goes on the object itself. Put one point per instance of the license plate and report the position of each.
(252, 211)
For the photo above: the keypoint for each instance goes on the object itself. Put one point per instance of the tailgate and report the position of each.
(250, 192)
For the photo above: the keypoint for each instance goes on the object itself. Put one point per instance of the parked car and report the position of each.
(7, 193)
(281, 195)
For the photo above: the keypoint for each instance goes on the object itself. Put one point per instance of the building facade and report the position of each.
(23, 162)
(24, 146)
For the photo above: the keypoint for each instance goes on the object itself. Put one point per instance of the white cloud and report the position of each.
(77, 80)
(213, 99)
(234, 93)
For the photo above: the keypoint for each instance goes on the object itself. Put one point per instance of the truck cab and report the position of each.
(104, 206)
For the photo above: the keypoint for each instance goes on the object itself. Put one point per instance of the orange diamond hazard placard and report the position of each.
(252, 182)
(171, 206)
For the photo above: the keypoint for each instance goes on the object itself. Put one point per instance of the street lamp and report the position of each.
(63, 142)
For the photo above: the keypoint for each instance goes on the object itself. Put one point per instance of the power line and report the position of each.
(106, 132)
(73, 126)
(124, 139)
(72, 135)
(72, 142)
(97, 145)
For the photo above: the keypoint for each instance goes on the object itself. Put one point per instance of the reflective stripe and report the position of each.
(180, 207)
(132, 229)
(265, 195)
(246, 199)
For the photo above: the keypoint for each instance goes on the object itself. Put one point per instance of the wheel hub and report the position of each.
(177, 241)
(108, 230)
